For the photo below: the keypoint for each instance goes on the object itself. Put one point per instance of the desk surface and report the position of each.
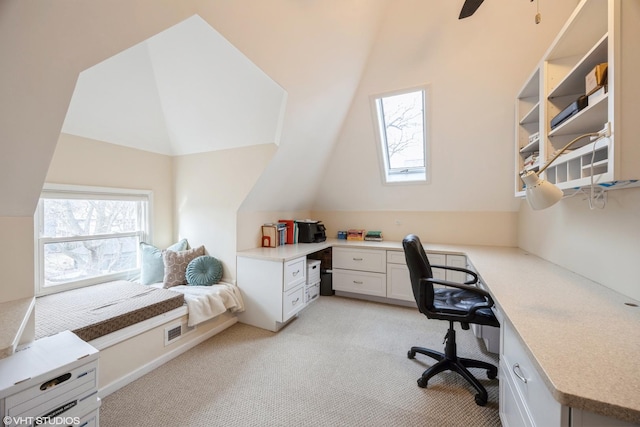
(584, 337)
(14, 316)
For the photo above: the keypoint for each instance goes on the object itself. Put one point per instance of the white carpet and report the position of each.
(343, 362)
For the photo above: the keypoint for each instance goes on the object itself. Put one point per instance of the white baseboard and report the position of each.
(145, 369)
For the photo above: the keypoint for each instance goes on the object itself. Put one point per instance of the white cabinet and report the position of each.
(360, 271)
(273, 290)
(399, 282)
(54, 379)
(524, 398)
(599, 31)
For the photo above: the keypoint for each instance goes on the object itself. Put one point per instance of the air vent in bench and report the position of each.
(176, 331)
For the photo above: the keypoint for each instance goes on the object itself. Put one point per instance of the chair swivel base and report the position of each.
(448, 361)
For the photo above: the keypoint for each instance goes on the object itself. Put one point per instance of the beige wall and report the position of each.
(470, 228)
(249, 232)
(210, 187)
(82, 161)
(16, 258)
(601, 244)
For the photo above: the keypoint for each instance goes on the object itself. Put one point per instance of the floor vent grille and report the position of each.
(176, 331)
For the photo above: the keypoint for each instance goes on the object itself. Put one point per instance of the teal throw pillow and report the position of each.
(204, 270)
(152, 266)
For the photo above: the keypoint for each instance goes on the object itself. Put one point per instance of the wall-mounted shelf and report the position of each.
(598, 31)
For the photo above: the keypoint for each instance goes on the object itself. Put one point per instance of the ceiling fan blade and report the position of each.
(469, 7)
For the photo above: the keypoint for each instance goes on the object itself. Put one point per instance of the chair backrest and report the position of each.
(419, 268)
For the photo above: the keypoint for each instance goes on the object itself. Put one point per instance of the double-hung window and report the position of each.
(401, 130)
(88, 235)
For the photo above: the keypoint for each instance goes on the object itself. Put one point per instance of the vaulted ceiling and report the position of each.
(185, 90)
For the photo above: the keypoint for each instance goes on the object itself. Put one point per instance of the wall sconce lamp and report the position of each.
(542, 194)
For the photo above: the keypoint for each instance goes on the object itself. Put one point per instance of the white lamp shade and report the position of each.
(540, 193)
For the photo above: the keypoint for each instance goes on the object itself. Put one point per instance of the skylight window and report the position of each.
(402, 134)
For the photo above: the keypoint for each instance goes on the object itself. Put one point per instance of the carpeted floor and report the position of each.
(343, 362)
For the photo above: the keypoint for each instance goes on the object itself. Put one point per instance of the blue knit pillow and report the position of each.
(152, 266)
(204, 270)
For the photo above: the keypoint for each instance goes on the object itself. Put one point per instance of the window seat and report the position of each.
(98, 310)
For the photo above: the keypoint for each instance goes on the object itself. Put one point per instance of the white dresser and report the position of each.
(52, 381)
(273, 290)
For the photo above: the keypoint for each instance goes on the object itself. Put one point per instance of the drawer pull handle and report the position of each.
(54, 382)
(357, 259)
(358, 282)
(295, 273)
(518, 373)
(294, 302)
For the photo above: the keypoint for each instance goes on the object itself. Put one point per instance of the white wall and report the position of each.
(82, 161)
(209, 188)
(474, 68)
(601, 244)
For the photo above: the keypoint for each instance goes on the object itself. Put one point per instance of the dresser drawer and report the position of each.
(360, 259)
(295, 272)
(360, 282)
(292, 302)
(534, 398)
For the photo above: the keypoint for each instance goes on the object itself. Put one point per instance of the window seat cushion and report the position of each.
(98, 310)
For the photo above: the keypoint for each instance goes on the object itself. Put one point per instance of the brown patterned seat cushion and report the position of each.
(98, 310)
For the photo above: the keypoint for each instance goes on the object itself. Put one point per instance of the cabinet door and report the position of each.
(533, 396)
(399, 282)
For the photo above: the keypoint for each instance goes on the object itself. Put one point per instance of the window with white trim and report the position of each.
(88, 235)
(401, 130)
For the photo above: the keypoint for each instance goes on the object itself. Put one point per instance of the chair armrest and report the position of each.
(463, 270)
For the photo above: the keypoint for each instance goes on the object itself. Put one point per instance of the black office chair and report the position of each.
(464, 303)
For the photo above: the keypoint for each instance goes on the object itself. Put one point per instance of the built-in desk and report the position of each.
(583, 338)
(14, 317)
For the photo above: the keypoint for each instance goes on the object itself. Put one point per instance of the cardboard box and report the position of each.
(595, 79)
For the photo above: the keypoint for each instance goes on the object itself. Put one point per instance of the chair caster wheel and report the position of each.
(411, 354)
(481, 400)
(492, 373)
(422, 382)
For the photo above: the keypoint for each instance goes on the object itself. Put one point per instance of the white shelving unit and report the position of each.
(599, 31)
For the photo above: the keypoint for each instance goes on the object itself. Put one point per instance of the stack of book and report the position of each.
(375, 236)
(353, 234)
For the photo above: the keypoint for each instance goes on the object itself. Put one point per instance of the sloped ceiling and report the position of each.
(315, 50)
(185, 90)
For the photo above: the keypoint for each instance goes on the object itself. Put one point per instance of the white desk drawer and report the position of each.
(360, 259)
(360, 282)
(536, 400)
(292, 302)
(396, 257)
(295, 272)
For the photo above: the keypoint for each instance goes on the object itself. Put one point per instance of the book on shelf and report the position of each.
(292, 231)
(374, 236)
